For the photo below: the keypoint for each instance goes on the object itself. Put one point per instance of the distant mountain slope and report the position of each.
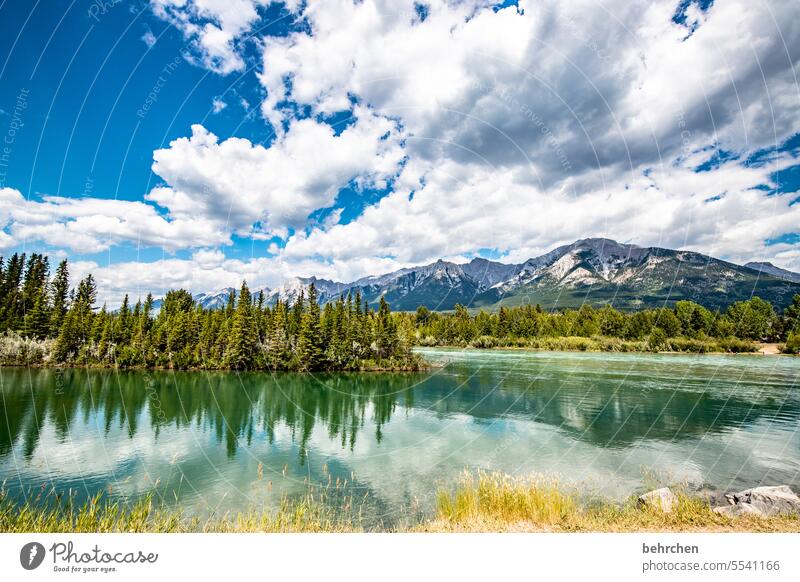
(440, 285)
(595, 271)
(598, 271)
(770, 269)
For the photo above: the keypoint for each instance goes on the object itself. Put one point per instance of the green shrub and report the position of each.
(485, 342)
(657, 340)
(792, 345)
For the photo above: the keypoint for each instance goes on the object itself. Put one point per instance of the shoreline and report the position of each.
(599, 349)
(93, 366)
(481, 503)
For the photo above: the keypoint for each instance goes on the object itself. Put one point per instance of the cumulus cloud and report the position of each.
(721, 212)
(149, 39)
(214, 189)
(515, 129)
(241, 184)
(88, 225)
(615, 83)
(213, 28)
(208, 270)
(218, 105)
(542, 123)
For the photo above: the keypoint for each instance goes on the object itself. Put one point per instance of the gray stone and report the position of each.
(778, 500)
(663, 499)
(738, 510)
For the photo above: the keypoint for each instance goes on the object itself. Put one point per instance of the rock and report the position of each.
(738, 510)
(663, 499)
(778, 500)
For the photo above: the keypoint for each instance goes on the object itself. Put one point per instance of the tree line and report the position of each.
(43, 320)
(247, 334)
(749, 321)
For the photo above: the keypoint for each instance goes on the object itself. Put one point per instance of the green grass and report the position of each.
(607, 344)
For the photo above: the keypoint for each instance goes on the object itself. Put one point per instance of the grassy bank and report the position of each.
(308, 515)
(19, 351)
(605, 344)
(480, 503)
(499, 503)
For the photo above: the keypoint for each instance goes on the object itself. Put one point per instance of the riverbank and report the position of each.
(480, 503)
(615, 345)
(16, 351)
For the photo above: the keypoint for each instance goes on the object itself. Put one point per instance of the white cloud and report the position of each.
(218, 188)
(239, 184)
(494, 208)
(206, 270)
(534, 128)
(218, 105)
(515, 129)
(88, 225)
(149, 39)
(213, 27)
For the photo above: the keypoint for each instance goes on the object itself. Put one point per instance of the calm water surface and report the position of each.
(611, 423)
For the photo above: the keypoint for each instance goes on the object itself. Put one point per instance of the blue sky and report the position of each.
(194, 143)
(88, 72)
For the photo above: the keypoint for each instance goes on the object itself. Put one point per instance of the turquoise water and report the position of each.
(612, 423)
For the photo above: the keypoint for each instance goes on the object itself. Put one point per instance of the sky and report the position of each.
(195, 143)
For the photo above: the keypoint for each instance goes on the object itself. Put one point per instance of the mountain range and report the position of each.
(595, 271)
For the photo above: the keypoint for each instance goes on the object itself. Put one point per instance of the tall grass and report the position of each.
(481, 502)
(496, 502)
(307, 514)
(500, 498)
(608, 344)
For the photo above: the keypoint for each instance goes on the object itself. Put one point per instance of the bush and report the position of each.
(16, 350)
(428, 341)
(485, 342)
(792, 345)
(657, 340)
(736, 346)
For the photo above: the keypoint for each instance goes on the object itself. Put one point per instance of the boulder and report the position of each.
(738, 510)
(778, 500)
(662, 499)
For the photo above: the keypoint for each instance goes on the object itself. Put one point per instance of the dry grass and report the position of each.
(492, 502)
(483, 502)
(102, 515)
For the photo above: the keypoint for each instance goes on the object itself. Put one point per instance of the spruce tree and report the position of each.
(385, 331)
(36, 324)
(122, 331)
(59, 291)
(309, 346)
(278, 348)
(242, 344)
(77, 323)
(11, 294)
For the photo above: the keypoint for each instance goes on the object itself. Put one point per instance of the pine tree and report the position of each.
(296, 315)
(11, 294)
(309, 346)
(36, 325)
(385, 331)
(104, 344)
(36, 273)
(122, 331)
(60, 290)
(355, 336)
(278, 349)
(337, 353)
(242, 345)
